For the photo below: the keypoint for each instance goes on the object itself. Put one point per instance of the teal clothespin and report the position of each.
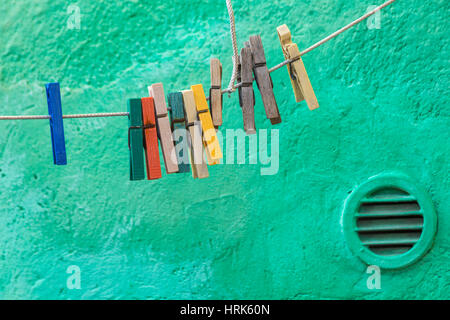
(178, 123)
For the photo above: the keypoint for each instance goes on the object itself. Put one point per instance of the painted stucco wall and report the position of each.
(384, 106)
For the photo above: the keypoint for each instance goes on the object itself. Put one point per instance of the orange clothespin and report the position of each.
(150, 139)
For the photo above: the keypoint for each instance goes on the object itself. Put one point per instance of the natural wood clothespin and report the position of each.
(163, 124)
(215, 93)
(297, 72)
(263, 79)
(246, 93)
(199, 167)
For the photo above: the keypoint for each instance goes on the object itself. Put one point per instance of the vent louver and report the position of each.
(389, 221)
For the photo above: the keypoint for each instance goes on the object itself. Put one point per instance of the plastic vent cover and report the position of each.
(389, 222)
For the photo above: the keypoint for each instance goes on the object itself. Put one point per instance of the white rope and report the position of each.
(231, 87)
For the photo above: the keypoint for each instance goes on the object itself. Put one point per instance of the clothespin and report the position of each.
(156, 91)
(56, 123)
(211, 161)
(151, 139)
(135, 139)
(246, 93)
(297, 72)
(199, 168)
(178, 124)
(263, 79)
(215, 93)
(213, 151)
(238, 78)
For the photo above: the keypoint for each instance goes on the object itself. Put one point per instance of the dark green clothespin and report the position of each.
(136, 139)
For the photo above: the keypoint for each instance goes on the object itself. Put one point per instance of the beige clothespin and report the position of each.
(163, 124)
(199, 168)
(297, 72)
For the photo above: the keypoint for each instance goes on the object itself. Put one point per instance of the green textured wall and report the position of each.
(384, 106)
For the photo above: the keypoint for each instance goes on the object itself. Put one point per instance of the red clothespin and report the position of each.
(150, 139)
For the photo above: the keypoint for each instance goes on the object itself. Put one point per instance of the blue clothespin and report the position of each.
(56, 123)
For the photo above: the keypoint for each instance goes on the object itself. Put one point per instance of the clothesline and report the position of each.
(68, 116)
(228, 90)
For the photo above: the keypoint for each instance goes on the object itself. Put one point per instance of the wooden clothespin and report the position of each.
(213, 151)
(263, 79)
(135, 139)
(56, 123)
(297, 72)
(178, 124)
(156, 91)
(199, 168)
(151, 139)
(215, 93)
(246, 93)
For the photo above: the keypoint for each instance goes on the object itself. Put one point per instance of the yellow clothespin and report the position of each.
(213, 151)
(303, 89)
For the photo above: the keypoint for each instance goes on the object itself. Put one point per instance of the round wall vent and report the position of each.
(389, 222)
